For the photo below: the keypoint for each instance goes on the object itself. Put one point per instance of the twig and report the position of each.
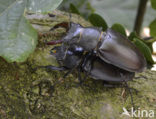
(140, 16)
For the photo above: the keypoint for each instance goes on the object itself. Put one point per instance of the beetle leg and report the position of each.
(83, 64)
(127, 87)
(79, 75)
(86, 58)
(68, 72)
(81, 81)
(129, 90)
(90, 57)
(90, 68)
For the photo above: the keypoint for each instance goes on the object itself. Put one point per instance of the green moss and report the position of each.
(26, 93)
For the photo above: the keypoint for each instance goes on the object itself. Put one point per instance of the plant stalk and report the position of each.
(140, 16)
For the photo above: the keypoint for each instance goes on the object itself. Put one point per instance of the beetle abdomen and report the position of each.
(116, 49)
(103, 71)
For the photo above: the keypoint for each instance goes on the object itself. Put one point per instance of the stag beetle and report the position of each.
(110, 46)
(70, 58)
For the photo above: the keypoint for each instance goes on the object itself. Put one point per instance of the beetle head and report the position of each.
(58, 52)
(73, 32)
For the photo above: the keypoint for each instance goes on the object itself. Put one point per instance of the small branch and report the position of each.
(140, 16)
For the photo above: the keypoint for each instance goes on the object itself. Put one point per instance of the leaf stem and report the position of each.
(140, 16)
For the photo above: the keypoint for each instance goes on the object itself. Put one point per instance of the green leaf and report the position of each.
(43, 5)
(132, 36)
(147, 42)
(17, 37)
(73, 9)
(119, 28)
(152, 27)
(98, 21)
(144, 49)
(153, 3)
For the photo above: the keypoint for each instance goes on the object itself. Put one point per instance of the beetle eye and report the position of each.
(53, 51)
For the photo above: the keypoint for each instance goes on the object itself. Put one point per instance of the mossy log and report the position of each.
(29, 94)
